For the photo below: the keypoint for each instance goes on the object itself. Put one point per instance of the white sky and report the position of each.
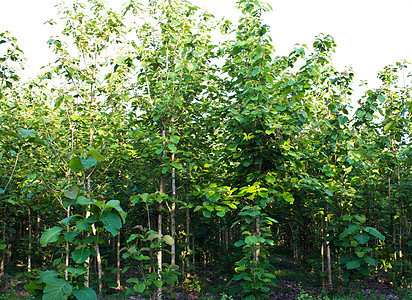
(370, 33)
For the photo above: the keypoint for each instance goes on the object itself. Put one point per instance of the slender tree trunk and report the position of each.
(322, 251)
(159, 223)
(30, 241)
(66, 273)
(328, 256)
(159, 253)
(173, 212)
(3, 252)
(118, 261)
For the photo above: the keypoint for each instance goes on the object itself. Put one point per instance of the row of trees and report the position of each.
(147, 145)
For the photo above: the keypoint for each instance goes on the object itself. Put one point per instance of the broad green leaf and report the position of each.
(80, 255)
(353, 264)
(33, 285)
(116, 205)
(85, 293)
(190, 66)
(89, 163)
(221, 213)
(48, 275)
(152, 236)
(3, 246)
(71, 194)
(288, 197)
(370, 261)
(375, 233)
(172, 147)
(388, 126)
(58, 289)
(26, 132)
(361, 219)
(80, 270)
(96, 154)
(70, 236)
(347, 218)
(168, 240)
(36, 140)
(362, 238)
(175, 139)
(50, 235)
(111, 223)
(82, 200)
(75, 164)
(251, 240)
(139, 287)
(270, 178)
(255, 71)
(381, 98)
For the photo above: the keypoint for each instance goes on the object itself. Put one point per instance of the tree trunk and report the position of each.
(173, 212)
(30, 246)
(3, 251)
(118, 261)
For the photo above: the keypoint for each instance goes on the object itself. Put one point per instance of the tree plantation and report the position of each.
(166, 154)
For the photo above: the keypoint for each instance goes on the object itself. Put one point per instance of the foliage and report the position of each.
(161, 143)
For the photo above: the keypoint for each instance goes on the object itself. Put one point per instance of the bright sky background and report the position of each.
(370, 33)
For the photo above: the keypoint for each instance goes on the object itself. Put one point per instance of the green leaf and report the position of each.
(381, 98)
(96, 154)
(32, 286)
(152, 236)
(82, 200)
(139, 287)
(288, 197)
(51, 235)
(172, 147)
(370, 261)
(361, 219)
(270, 178)
(85, 293)
(168, 240)
(255, 71)
(89, 163)
(48, 275)
(190, 66)
(71, 194)
(207, 213)
(375, 233)
(221, 213)
(75, 164)
(362, 238)
(3, 246)
(58, 289)
(353, 264)
(80, 255)
(388, 126)
(77, 271)
(175, 139)
(111, 223)
(116, 205)
(251, 240)
(347, 218)
(70, 236)
(26, 132)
